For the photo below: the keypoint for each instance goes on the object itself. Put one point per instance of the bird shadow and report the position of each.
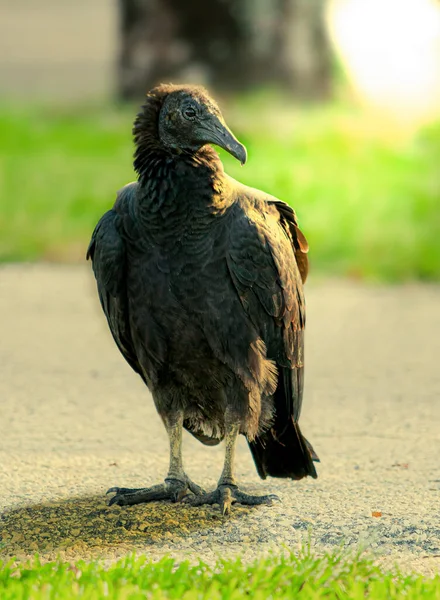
(85, 527)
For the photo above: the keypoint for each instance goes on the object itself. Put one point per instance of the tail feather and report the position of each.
(282, 450)
(288, 455)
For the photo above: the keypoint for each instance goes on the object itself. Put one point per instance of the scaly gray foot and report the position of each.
(172, 489)
(227, 494)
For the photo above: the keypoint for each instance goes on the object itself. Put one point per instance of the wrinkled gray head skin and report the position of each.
(189, 119)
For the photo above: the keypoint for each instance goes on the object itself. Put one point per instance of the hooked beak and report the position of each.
(217, 132)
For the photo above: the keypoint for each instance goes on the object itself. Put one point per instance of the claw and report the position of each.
(226, 502)
(179, 495)
(119, 500)
(274, 497)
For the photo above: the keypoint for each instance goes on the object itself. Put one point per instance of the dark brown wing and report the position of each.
(265, 273)
(108, 255)
(299, 242)
(263, 264)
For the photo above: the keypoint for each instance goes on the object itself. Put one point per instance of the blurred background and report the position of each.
(337, 101)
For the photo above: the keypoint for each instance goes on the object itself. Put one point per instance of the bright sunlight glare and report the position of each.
(391, 52)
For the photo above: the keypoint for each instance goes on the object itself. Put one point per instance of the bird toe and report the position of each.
(119, 490)
(119, 500)
(227, 495)
(195, 489)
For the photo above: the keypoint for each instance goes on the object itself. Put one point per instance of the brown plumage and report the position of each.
(200, 278)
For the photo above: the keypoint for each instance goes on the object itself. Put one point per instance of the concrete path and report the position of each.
(74, 420)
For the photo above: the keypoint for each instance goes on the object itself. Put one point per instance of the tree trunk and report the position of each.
(305, 54)
(226, 44)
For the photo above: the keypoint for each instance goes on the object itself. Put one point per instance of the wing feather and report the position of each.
(108, 255)
(263, 266)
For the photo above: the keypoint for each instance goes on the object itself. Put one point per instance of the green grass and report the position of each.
(305, 577)
(367, 197)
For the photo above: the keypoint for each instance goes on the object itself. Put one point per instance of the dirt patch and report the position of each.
(87, 527)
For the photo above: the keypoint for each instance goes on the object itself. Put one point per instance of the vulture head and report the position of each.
(187, 119)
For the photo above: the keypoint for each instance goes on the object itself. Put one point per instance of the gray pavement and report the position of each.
(74, 420)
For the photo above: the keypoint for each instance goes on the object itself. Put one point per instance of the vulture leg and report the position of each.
(228, 492)
(176, 484)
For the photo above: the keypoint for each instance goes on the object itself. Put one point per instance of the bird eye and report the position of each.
(189, 113)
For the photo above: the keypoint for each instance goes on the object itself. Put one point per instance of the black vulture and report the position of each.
(201, 281)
